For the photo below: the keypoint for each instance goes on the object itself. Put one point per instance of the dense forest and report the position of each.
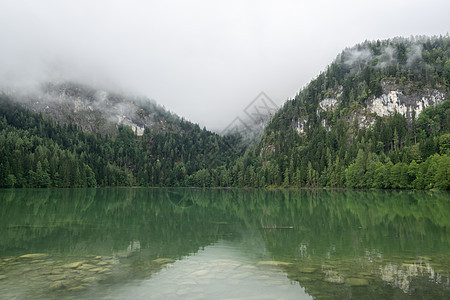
(38, 152)
(332, 149)
(393, 152)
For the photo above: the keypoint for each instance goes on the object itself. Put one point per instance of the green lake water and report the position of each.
(126, 243)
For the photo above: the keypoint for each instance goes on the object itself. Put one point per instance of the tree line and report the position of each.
(333, 150)
(38, 152)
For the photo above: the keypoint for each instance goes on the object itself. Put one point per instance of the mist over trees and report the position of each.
(333, 149)
(38, 152)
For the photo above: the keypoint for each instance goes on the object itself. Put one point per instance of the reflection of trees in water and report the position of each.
(344, 217)
(99, 220)
(402, 275)
(357, 230)
(321, 219)
(182, 198)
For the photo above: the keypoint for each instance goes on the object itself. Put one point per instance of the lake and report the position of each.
(127, 243)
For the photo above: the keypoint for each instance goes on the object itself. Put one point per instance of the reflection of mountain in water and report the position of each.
(366, 244)
(98, 220)
(401, 276)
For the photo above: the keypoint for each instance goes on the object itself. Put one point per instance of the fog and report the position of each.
(204, 60)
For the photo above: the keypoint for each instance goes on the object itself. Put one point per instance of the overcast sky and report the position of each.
(202, 59)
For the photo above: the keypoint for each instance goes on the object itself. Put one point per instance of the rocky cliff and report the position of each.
(405, 100)
(95, 110)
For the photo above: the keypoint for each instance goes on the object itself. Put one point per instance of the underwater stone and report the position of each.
(56, 277)
(57, 285)
(99, 270)
(73, 265)
(307, 270)
(34, 255)
(357, 281)
(90, 279)
(162, 261)
(77, 288)
(273, 263)
(333, 277)
(86, 267)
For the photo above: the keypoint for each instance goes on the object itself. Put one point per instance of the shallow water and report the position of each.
(223, 244)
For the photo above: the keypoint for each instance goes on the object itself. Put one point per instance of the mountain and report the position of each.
(95, 110)
(377, 117)
(72, 135)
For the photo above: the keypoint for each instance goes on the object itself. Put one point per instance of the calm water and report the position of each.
(224, 244)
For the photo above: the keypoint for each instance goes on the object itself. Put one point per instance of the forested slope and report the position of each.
(377, 117)
(39, 152)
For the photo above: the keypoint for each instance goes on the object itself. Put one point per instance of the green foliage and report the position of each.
(37, 152)
(304, 145)
(297, 150)
(447, 72)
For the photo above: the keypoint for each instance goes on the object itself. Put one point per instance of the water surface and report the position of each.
(223, 244)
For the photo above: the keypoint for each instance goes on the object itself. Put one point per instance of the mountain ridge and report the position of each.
(315, 137)
(377, 117)
(95, 110)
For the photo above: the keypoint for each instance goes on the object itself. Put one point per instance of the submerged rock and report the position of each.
(90, 280)
(273, 263)
(78, 288)
(55, 271)
(57, 277)
(333, 277)
(307, 270)
(58, 285)
(162, 261)
(73, 265)
(86, 267)
(8, 259)
(357, 281)
(100, 270)
(424, 258)
(34, 255)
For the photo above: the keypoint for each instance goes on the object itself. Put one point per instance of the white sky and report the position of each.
(202, 59)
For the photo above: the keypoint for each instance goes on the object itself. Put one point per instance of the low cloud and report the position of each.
(414, 54)
(361, 55)
(387, 57)
(204, 60)
(356, 58)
